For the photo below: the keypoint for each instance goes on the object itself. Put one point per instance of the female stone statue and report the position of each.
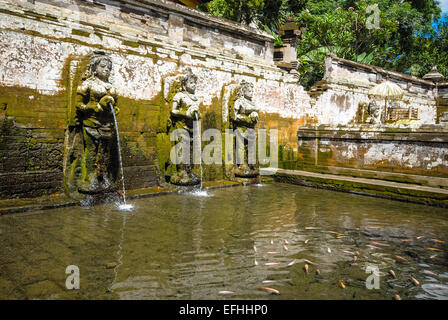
(95, 99)
(244, 117)
(185, 111)
(185, 103)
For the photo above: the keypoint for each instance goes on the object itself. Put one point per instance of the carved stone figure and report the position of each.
(185, 110)
(245, 111)
(374, 111)
(95, 168)
(244, 116)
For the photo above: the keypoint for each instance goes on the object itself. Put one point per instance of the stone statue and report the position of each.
(244, 116)
(374, 111)
(95, 99)
(185, 110)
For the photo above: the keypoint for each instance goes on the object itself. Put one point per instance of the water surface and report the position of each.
(186, 246)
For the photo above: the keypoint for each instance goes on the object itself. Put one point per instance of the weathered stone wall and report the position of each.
(43, 44)
(346, 84)
(398, 149)
(442, 104)
(397, 152)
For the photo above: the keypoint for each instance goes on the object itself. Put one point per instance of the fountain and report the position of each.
(199, 192)
(124, 205)
(94, 156)
(243, 119)
(185, 110)
(198, 130)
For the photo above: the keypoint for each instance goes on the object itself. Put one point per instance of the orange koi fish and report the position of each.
(270, 290)
(416, 282)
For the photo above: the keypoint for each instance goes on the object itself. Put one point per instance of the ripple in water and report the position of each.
(125, 207)
(200, 193)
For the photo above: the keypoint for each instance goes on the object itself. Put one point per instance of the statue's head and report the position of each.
(189, 82)
(100, 65)
(247, 89)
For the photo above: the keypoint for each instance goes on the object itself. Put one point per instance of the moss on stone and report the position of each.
(130, 43)
(80, 33)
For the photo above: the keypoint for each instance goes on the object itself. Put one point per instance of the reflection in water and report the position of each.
(182, 246)
(119, 252)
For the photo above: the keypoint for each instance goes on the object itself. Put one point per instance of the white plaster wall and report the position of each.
(406, 155)
(343, 78)
(37, 62)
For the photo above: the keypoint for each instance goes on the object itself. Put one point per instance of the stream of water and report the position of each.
(124, 205)
(198, 131)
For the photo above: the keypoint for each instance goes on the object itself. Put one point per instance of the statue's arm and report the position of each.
(176, 104)
(237, 110)
(83, 97)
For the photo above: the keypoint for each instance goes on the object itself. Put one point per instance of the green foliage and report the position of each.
(404, 40)
(278, 42)
(341, 27)
(237, 10)
(269, 13)
(429, 49)
(275, 12)
(364, 58)
(429, 8)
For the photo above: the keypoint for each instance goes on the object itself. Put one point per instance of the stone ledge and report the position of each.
(254, 63)
(370, 187)
(55, 201)
(430, 181)
(377, 70)
(202, 18)
(424, 133)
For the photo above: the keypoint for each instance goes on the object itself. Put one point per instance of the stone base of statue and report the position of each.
(245, 171)
(246, 174)
(247, 181)
(100, 198)
(182, 178)
(94, 186)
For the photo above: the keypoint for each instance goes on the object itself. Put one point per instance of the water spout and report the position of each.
(196, 123)
(124, 205)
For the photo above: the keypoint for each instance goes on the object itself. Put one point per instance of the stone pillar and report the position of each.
(286, 56)
(442, 111)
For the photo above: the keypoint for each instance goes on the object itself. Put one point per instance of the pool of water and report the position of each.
(194, 246)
